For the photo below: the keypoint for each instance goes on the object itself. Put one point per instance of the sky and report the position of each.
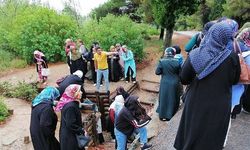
(84, 8)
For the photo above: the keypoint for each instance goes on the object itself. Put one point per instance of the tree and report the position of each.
(238, 10)
(166, 12)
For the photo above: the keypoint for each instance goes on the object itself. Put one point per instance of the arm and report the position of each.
(158, 70)
(71, 121)
(46, 122)
(130, 56)
(111, 53)
(191, 43)
(142, 123)
(112, 115)
(187, 74)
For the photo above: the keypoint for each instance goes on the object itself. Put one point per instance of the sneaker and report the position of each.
(134, 82)
(94, 84)
(101, 85)
(126, 81)
(122, 79)
(146, 146)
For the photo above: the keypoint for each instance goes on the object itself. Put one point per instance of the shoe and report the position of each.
(94, 84)
(108, 92)
(101, 85)
(134, 82)
(146, 146)
(122, 79)
(126, 81)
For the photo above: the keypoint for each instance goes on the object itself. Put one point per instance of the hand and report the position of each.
(95, 70)
(39, 63)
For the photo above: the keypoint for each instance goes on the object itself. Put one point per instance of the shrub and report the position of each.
(111, 30)
(3, 110)
(6, 89)
(9, 61)
(25, 91)
(41, 28)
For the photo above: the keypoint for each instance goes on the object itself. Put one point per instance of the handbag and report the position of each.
(45, 72)
(245, 70)
(82, 141)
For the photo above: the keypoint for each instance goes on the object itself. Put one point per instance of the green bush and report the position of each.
(111, 30)
(25, 91)
(22, 90)
(3, 110)
(41, 28)
(9, 61)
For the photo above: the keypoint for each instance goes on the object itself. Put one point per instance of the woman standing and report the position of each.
(41, 62)
(77, 62)
(211, 70)
(114, 66)
(169, 94)
(129, 64)
(43, 120)
(71, 121)
(68, 44)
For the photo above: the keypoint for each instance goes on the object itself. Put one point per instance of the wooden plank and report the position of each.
(150, 90)
(144, 80)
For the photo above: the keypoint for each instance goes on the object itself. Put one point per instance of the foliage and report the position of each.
(8, 60)
(216, 8)
(166, 12)
(22, 90)
(192, 22)
(116, 29)
(3, 110)
(237, 9)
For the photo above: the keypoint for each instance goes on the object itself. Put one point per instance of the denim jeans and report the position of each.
(122, 138)
(105, 74)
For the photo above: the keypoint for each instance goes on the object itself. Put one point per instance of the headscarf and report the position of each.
(48, 94)
(233, 24)
(119, 100)
(134, 107)
(244, 36)
(120, 91)
(78, 73)
(177, 49)
(246, 25)
(38, 56)
(212, 51)
(207, 26)
(76, 55)
(69, 95)
(169, 52)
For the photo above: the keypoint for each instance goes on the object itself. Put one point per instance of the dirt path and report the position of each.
(17, 126)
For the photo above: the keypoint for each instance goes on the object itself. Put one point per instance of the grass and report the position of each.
(3, 110)
(9, 61)
(155, 44)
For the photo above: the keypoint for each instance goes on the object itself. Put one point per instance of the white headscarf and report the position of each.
(78, 73)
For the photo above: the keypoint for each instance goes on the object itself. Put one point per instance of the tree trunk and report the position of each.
(161, 34)
(168, 37)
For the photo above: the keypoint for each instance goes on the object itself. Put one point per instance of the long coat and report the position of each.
(71, 124)
(169, 94)
(129, 62)
(42, 127)
(114, 68)
(205, 118)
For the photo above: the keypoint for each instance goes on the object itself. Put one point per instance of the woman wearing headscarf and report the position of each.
(77, 62)
(41, 62)
(68, 44)
(132, 118)
(169, 93)
(211, 70)
(71, 121)
(114, 66)
(43, 120)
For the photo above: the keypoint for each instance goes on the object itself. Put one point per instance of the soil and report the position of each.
(17, 126)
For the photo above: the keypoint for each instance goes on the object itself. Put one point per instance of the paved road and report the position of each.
(239, 135)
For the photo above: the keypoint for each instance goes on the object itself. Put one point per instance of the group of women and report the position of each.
(211, 72)
(120, 65)
(44, 119)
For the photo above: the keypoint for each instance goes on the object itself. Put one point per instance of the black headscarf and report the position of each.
(134, 107)
(120, 91)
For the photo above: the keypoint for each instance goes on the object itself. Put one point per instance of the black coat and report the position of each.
(78, 64)
(205, 118)
(71, 124)
(114, 68)
(70, 79)
(42, 127)
(44, 64)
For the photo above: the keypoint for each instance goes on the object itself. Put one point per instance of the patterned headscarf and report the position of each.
(38, 56)
(169, 52)
(48, 94)
(69, 95)
(207, 26)
(212, 51)
(233, 24)
(244, 36)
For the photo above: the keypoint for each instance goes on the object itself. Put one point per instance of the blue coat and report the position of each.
(129, 62)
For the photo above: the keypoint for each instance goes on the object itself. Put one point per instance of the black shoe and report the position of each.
(146, 146)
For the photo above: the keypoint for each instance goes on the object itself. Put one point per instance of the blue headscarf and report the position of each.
(47, 95)
(212, 51)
